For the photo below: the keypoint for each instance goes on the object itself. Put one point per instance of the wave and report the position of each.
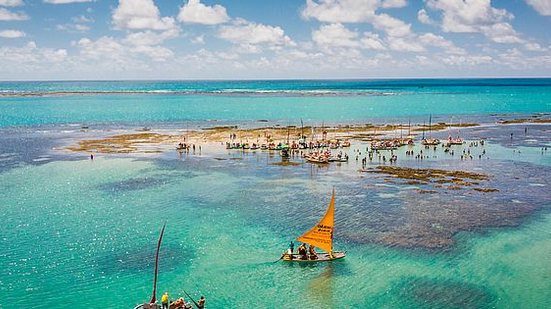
(220, 92)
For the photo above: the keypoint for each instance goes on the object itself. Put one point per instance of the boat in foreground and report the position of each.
(320, 257)
(320, 236)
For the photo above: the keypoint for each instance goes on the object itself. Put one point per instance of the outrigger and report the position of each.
(320, 236)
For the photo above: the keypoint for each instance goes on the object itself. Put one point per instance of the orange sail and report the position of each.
(321, 235)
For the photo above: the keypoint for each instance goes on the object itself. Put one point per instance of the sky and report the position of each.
(283, 39)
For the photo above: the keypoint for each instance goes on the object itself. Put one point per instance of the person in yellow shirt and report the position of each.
(164, 300)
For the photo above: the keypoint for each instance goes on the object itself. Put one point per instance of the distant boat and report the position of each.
(430, 141)
(320, 236)
(317, 157)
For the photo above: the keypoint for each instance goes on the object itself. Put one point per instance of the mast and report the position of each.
(153, 297)
(430, 126)
(424, 129)
(301, 129)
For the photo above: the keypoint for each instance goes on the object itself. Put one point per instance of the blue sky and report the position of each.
(248, 39)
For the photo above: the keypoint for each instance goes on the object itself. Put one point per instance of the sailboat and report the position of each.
(430, 141)
(320, 236)
(451, 140)
(153, 302)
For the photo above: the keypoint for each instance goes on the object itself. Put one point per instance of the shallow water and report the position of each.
(84, 231)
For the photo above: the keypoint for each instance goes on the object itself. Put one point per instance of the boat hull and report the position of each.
(321, 257)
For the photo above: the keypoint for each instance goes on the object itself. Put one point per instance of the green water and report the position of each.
(84, 232)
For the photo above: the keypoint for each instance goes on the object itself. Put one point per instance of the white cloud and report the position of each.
(371, 41)
(245, 32)
(11, 34)
(125, 51)
(6, 15)
(66, 1)
(340, 11)
(149, 38)
(543, 7)
(502, 33)
(72, 27)
(140, 14)
(29, 56)
(227, 56)
(532, 46)
(430, 39)
(405, 44)
(467, 60)
(81, 19)
(357, 11)
(423, 17)
(11, 2)
(246, 48)
(392, 26)
(78, 25)
(200, 39)
(335, 35)
(393, 3)
(476, 16)
(104, 47)
(156, 53)
(55, 55)
(196, 12)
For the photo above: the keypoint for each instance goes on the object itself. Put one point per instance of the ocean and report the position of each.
(81, 232)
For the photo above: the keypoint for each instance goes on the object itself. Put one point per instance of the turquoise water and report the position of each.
(81, 231)
(287, 102)
(86, 231)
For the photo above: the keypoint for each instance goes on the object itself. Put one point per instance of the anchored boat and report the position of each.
(320, 236)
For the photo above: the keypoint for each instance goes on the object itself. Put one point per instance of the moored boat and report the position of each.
(430, 142)
(317, 159)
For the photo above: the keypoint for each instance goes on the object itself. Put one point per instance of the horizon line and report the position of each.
(276, 79)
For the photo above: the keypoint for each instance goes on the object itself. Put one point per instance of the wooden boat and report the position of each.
(320, 236)
(430, 142)
(455, 141)
(317, 159)
(153, 302)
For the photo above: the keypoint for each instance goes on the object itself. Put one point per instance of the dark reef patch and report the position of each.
(432, 293)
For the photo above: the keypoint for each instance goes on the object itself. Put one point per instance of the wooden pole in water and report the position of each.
(153, 297)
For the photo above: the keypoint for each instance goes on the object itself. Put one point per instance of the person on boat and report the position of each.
(179, 303)
(312, 255)
(292, 246)
(164, 300)
(201, 302)
(302, 250)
